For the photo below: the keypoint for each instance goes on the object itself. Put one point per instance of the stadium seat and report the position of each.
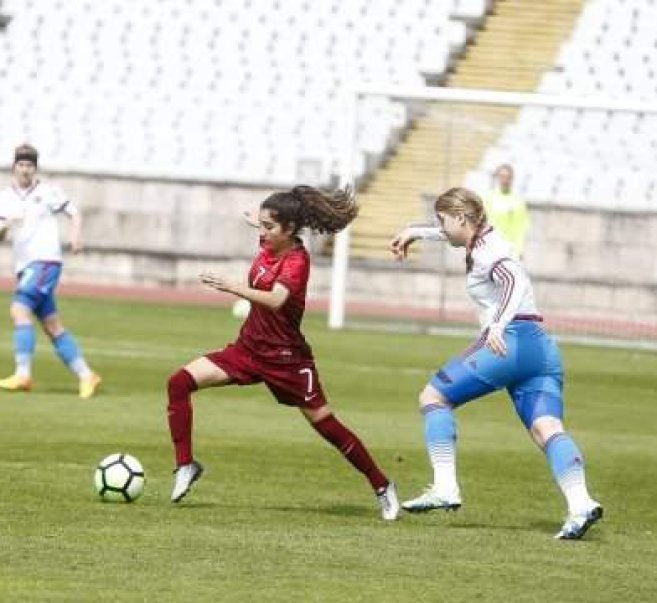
(215, 59)
(470, 10)
(611, 52)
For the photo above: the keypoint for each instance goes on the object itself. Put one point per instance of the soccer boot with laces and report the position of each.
(388, 501)
(88, 387)
(186, 475)
(16, 383)
(432, 498)
(577, 525)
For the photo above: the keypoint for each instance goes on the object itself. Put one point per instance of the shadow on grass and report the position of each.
(191, 506)
(338, 510)
(549, 528)
(442, 521)
(534, 526)
(335, 510)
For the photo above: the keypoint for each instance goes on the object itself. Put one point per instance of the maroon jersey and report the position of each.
(275, 335)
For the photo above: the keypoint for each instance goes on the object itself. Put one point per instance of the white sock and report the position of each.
(80, 367)
(24, 365)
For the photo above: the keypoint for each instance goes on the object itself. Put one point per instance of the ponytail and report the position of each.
(308, 207)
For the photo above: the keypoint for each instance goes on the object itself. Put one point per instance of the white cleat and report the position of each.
(388, 502)
(577, 525)
(186, 475)
(432, 498)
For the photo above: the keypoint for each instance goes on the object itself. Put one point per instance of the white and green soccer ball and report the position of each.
(119, 477)
(241, 308)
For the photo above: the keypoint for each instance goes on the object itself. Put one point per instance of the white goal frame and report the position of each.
(340, 265)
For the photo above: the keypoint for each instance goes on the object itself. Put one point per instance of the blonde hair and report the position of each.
(460, 200)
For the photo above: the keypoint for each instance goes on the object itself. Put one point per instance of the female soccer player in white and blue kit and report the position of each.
(513, 351)
(30, 208)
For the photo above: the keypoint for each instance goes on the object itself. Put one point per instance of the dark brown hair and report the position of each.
(26, 152)
(308, 207)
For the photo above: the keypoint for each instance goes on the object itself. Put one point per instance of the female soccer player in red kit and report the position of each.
(270, 348)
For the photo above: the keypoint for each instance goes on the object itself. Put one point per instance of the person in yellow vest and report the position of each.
(506, 211)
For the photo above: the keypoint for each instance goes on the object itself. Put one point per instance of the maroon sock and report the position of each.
(180, 386)
(352, 449)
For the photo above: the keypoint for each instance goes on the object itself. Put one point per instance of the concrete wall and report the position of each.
(584, 263)
(154, 232)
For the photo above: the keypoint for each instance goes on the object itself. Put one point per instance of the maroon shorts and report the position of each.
(293, 383)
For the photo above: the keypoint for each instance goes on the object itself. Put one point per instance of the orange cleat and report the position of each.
(16, 384)
(89, 386)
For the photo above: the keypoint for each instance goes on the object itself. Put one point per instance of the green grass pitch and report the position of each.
(279, 516)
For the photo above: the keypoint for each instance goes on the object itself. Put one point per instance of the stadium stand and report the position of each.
(597, 158)
(172, 117)
(4, 18)
(208, 90)
(594, 159)
(509, 53)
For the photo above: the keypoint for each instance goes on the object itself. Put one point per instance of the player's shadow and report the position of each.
(334, 510)
(192, 506)
(443, 523)
(540, 526)
(343, 510)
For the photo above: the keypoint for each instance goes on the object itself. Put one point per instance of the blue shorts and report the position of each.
(36, 287)
(531, 372)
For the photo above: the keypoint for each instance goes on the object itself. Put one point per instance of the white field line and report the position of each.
(94, 347)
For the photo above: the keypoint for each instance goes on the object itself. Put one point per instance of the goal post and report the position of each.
(585, 166)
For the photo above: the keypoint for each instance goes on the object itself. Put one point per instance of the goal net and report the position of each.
(584, 167)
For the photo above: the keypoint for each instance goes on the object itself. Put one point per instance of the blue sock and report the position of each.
(567, 464)
(563, 455)
(24, 346)
(440, 438)
(69, 352)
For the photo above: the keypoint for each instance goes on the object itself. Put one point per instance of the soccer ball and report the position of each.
(241, 308)
(119, 478)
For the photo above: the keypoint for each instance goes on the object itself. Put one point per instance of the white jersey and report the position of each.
(497, 282)
(32, 215)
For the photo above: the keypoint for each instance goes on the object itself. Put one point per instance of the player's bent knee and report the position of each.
(53, 326)
(429, 396)
(534, 406)
(543, 428)
(314, 415)
(20, 314)
(180, 384)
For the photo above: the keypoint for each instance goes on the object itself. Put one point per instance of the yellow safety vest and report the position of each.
(508, 214)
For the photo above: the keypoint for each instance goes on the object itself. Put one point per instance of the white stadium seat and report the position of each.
(603, 159)
(470, 10)
(155, 66)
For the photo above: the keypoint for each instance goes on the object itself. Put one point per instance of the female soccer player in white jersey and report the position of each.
(513, 351)
(30, 209)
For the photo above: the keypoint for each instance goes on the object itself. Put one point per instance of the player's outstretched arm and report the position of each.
(401, 243)
(273, 299)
